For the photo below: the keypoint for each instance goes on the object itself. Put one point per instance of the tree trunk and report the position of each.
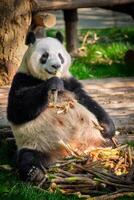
(15, 18)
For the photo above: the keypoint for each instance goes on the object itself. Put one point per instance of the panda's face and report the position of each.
(47, 57)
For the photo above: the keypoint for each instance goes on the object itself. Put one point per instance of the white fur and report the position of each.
(31, 60)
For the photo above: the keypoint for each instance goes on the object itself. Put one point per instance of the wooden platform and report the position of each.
(116, 95)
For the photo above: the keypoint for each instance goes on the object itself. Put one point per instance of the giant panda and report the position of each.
(40, 132)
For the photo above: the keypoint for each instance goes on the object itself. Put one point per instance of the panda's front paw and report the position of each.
(108, 130)
(36, 175)
(55, 83)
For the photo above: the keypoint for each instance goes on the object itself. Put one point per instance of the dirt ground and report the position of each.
(116, 95)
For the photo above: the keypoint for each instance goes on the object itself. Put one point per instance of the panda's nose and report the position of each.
(56, 66)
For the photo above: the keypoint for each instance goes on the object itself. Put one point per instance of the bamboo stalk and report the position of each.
(130, 175)
(117, 184)
(55, 96)
(77, 187)
(103, 175)
(70, 174)
(111, 196)
(121, 160)
(114, 142)
(130, 156)
(74, 179)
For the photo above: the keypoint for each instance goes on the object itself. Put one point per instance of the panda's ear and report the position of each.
(30, 38)
(60, 37)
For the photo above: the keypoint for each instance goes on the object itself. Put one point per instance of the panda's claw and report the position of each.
(32, 173)
(108, 130)
(35, 175)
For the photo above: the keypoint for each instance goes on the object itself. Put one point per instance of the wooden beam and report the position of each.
(124, 8)
(74, 4)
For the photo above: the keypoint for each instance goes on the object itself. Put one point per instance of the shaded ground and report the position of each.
(116, 95)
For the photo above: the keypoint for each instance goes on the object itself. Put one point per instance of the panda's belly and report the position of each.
(54, 130)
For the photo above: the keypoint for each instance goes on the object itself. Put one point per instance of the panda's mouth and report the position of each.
(53, 73)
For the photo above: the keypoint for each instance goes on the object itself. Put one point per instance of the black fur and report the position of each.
(30, 38)
(83, 98)
(60, 37)
(31, 165)
(28, 97)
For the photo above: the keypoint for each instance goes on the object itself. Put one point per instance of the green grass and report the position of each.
(11, 188)
(104, 58)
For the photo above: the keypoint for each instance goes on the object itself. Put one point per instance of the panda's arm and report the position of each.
(83, 98)
(28, 97)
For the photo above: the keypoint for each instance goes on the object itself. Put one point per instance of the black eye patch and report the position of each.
(61, 58)
(44, 58)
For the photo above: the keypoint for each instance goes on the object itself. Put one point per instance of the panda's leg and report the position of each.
(31, 165)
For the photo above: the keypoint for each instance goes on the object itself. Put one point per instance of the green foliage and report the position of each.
(102, 61)
(131, 143)
(104, 58)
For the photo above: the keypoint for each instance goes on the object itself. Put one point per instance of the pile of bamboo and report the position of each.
(103, 172)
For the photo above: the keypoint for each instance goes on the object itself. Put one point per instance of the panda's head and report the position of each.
(45, 58)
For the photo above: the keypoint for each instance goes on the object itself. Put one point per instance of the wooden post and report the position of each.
(71, 19)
